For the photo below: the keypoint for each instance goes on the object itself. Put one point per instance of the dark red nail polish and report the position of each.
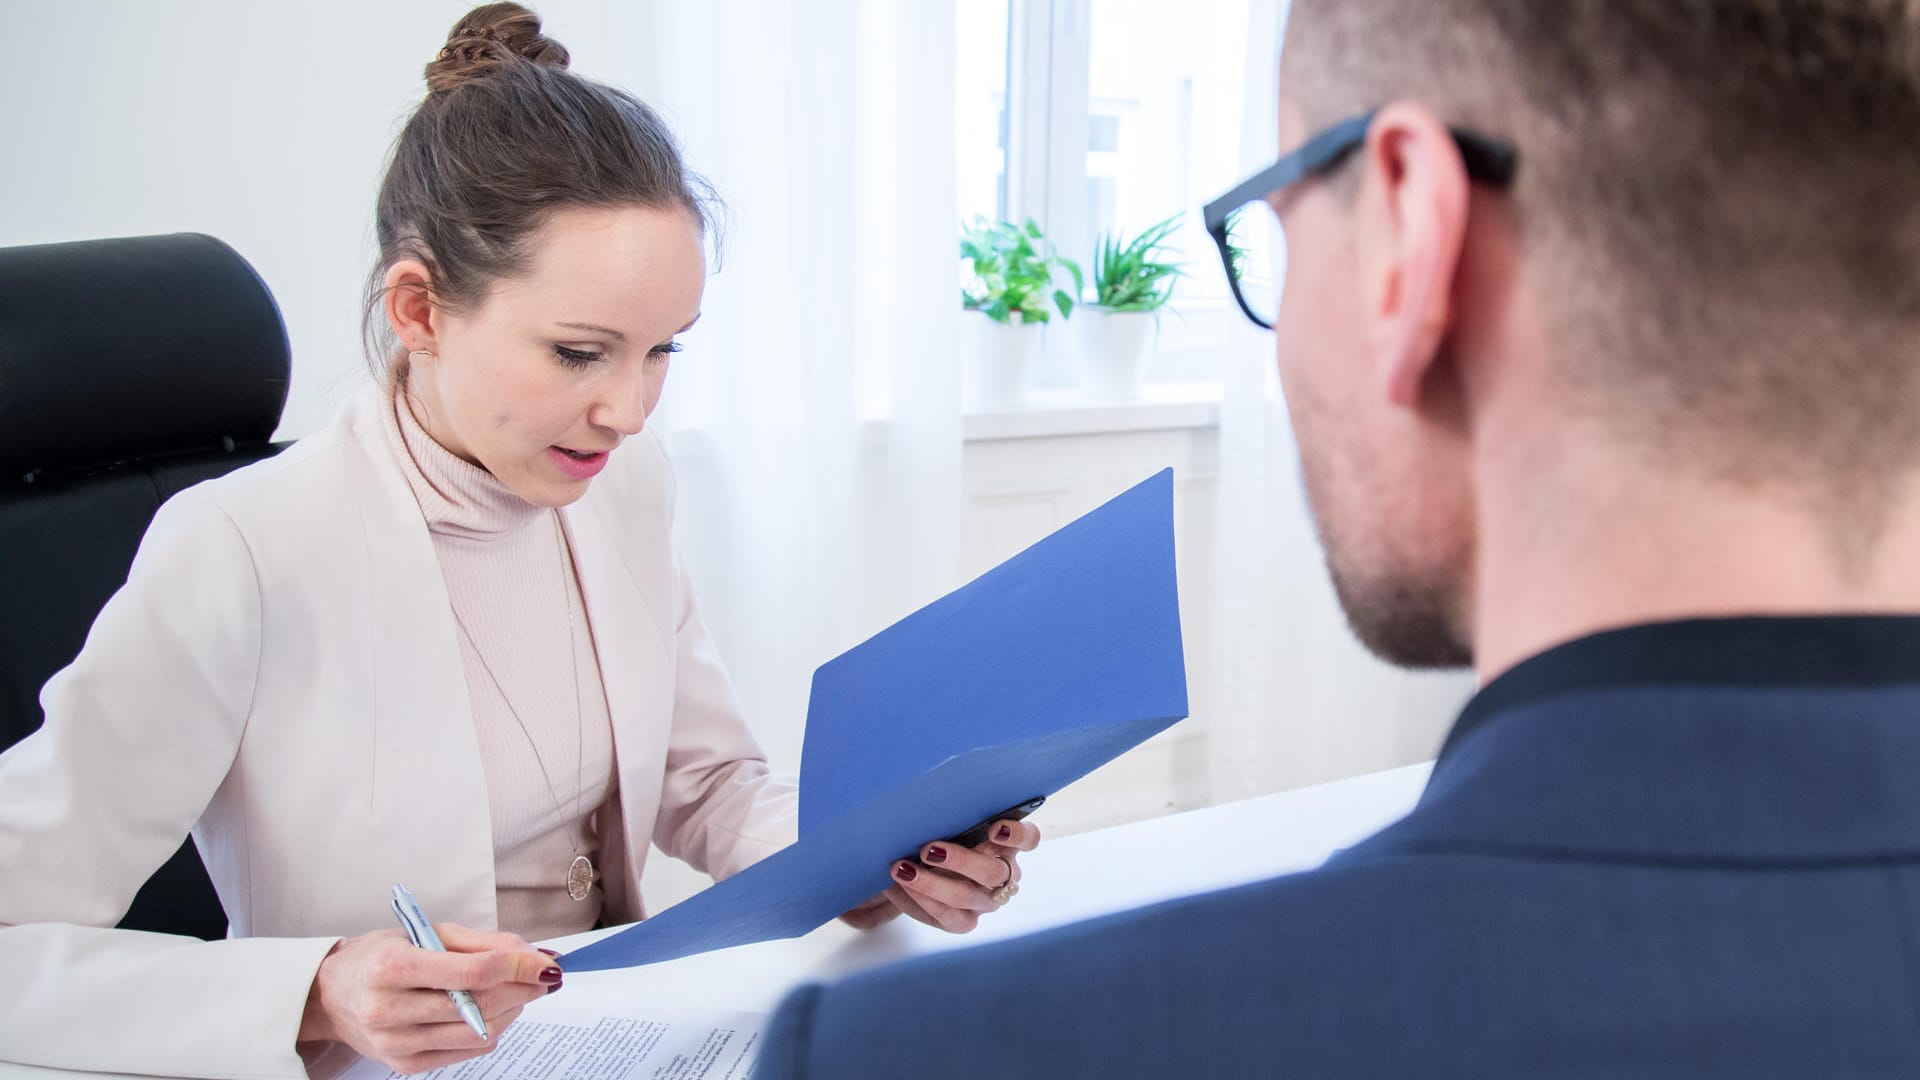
(551, 953)
(936, 854)
(551, 976)
(907, 872)
(554, 987)
(1004, 832)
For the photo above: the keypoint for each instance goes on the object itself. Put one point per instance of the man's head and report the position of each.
(1708, 265)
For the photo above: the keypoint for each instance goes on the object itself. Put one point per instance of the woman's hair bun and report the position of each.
(487, 38)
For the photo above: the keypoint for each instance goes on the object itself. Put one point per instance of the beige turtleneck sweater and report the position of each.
(546, 738)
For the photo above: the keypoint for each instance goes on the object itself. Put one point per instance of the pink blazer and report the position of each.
(280, 675)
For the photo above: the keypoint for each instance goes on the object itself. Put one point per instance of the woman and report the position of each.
(444, 642)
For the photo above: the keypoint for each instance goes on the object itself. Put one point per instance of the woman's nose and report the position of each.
(624, 409)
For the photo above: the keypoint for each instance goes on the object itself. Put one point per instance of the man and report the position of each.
(1612, 390)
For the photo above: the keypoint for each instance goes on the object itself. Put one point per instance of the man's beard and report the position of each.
(1405, 617)
(1406, 622)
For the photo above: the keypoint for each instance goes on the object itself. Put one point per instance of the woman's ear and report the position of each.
(409, 305)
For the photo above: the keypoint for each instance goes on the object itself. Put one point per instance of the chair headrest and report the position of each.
(112, 350)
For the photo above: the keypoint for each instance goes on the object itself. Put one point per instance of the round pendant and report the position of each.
(580, 877)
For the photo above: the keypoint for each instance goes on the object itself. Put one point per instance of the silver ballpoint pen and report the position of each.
(414, 921)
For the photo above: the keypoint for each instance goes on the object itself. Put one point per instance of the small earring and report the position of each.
(417, 353)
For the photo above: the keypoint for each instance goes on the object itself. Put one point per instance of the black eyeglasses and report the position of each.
(1488, 160)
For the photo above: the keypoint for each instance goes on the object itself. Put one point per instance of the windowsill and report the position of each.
(1055, 413)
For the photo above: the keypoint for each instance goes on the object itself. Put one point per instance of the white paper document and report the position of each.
(585, 1041)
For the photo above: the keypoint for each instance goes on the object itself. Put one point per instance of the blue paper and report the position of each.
(1019, 683)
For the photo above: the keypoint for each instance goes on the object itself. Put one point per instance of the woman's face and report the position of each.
(545, 377)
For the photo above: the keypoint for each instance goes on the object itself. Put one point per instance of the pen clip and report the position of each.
(407, 922)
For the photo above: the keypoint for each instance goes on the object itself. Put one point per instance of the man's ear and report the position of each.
(408, 305)
(1414, 200)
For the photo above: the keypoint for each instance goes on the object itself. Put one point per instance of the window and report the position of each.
(1092, 116)
(980, 114)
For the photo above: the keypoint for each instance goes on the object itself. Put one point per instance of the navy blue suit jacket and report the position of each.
(1682, 850)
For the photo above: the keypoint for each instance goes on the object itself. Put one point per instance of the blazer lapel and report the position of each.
(631, 640)
(429, 787)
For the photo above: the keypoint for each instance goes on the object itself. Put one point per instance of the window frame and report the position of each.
(1048, 69)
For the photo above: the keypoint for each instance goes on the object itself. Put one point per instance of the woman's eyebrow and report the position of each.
(614, 334)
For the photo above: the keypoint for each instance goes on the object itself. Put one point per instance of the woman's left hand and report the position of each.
(950, 886)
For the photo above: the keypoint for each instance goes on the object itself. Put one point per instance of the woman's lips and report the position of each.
(579, 468)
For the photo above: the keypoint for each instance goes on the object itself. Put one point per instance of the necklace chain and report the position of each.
(580, 873)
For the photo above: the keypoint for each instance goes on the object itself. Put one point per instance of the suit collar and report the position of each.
(1749, 740)
(1833, 650)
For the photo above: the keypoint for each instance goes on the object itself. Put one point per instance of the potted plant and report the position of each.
(1008, 292)
(1131, 283)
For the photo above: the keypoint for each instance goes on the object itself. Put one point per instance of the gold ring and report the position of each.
(1007, 889)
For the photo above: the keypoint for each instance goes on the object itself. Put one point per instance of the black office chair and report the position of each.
(129, 370)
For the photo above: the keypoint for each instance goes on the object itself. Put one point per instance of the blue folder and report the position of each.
(1038, 672)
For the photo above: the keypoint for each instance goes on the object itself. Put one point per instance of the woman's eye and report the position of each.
(661, 352)
(577, 358)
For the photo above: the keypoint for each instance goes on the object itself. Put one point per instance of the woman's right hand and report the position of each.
(386, 998)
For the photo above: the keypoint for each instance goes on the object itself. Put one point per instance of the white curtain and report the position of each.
(1296, 700)
(814, 417)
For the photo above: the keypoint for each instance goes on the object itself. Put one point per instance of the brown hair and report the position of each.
(506, 136)
(1722, 195)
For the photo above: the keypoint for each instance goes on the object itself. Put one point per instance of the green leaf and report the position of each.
(1126, 271)
(1013, 270)
(1065, 302)
(1157, 234)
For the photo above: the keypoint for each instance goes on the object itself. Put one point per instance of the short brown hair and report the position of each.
(1726, 191)
(506, 136)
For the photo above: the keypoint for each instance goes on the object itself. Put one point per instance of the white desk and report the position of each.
(1065, 880)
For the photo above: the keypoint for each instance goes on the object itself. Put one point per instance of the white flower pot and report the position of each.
(996, 359)
(1113, 351)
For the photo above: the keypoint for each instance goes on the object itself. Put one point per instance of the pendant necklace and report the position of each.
(580, 872)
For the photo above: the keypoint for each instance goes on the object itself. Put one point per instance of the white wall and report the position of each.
(262, 122)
